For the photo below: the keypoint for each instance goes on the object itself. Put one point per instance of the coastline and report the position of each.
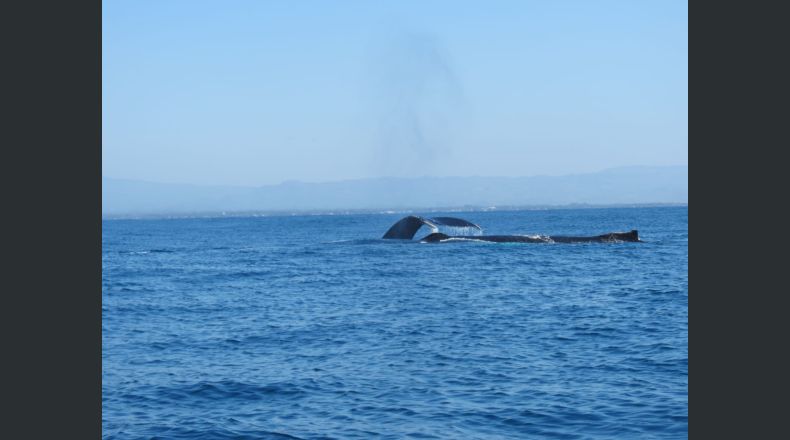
(410, 210)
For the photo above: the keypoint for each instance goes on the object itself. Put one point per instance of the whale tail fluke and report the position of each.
(406, 227)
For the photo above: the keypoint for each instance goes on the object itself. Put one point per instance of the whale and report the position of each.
(407, 227)
(612, 237)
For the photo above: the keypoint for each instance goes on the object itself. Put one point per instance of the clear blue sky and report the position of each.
(259, 92)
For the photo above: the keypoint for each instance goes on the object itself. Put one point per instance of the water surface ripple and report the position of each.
(311, 327)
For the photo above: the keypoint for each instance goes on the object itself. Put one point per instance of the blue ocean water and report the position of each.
(312, 327)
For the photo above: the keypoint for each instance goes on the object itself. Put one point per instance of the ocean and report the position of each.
(312, 327)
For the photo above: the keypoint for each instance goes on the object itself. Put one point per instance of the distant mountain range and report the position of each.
(616, 186)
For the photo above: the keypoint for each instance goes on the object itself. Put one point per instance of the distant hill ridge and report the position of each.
(627, 185)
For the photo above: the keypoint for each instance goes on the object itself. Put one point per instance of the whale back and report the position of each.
(631, 236)
(435, 237)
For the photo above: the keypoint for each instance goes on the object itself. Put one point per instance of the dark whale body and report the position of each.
(406, 227)
(612, 237)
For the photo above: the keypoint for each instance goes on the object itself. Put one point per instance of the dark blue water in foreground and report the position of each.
(311, 327)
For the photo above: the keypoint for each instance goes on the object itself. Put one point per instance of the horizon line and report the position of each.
(295, 181)
(374, 211)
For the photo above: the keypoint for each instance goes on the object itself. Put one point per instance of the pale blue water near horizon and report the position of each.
(313, 327)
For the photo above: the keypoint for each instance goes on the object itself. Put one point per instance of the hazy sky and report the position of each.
(258, 92)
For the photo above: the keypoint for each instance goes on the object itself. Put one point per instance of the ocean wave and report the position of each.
(325, 330)
(229, 389)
